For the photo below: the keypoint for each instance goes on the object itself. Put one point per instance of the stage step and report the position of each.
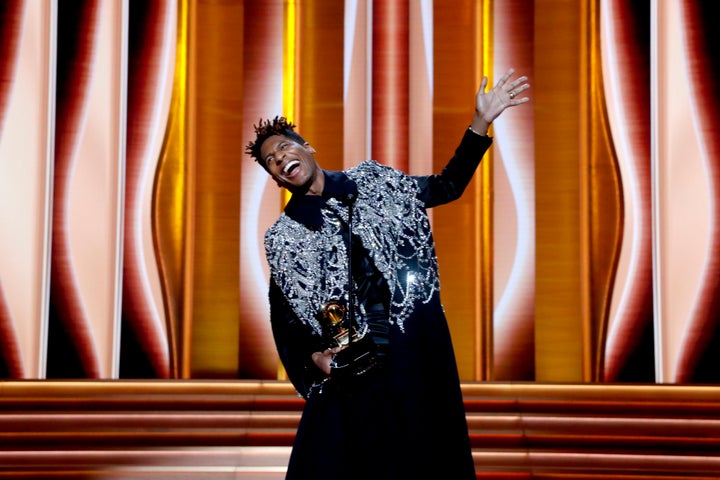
(244, 430)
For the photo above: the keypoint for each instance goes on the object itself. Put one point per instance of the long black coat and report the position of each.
(405, 420)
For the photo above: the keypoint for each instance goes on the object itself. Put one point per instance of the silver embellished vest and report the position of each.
(310, 265)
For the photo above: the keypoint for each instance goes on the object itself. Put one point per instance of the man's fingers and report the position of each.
(517, 82)
(505, 77)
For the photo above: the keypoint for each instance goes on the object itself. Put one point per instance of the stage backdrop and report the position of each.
(586, 249)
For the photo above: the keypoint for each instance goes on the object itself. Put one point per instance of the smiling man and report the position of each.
(354, 247)
(290, 161)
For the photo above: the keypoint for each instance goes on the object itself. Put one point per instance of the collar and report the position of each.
(306, 209)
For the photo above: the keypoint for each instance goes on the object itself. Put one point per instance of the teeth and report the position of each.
(290, 165)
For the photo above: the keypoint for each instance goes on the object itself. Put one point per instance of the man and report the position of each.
(356, 246)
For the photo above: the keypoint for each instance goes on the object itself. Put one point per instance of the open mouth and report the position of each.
(291, 167)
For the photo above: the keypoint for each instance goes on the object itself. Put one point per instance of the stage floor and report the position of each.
(178, 429)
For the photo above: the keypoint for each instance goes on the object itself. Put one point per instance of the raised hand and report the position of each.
(489, 105)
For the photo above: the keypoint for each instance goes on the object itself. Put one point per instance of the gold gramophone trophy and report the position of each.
(357, 353)
(335, 328)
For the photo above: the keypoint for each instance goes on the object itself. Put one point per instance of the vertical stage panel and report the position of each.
(682, 201)
(619, 200)
(390, 82)
(556, 95)
(147, 332)
(687, 182)
(319, 79)
(513, 199)
(89, 156)
(260, 199)
(702, 49)
(166, 62)
(224, 342)
(456, 227)
(357, 82)
(420, 88)
(27, 73)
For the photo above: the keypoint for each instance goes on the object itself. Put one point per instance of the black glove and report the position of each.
(365, 354)
(379, 333)
(355, 360)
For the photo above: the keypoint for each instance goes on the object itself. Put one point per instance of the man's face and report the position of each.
(291, 164)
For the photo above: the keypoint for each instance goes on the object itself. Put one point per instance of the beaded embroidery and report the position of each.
(310, 266)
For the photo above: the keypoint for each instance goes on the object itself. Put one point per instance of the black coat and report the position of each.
(405, 419)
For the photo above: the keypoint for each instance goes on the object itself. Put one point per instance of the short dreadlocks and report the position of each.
(268, 128)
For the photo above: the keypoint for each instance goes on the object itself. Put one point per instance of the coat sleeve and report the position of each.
(295, 343)
(434, 190)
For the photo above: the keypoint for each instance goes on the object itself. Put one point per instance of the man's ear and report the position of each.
(309, 148)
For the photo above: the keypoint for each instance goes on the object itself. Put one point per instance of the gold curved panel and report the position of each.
(171, 203)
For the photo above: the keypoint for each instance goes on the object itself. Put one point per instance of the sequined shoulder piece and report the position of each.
(310, 265)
